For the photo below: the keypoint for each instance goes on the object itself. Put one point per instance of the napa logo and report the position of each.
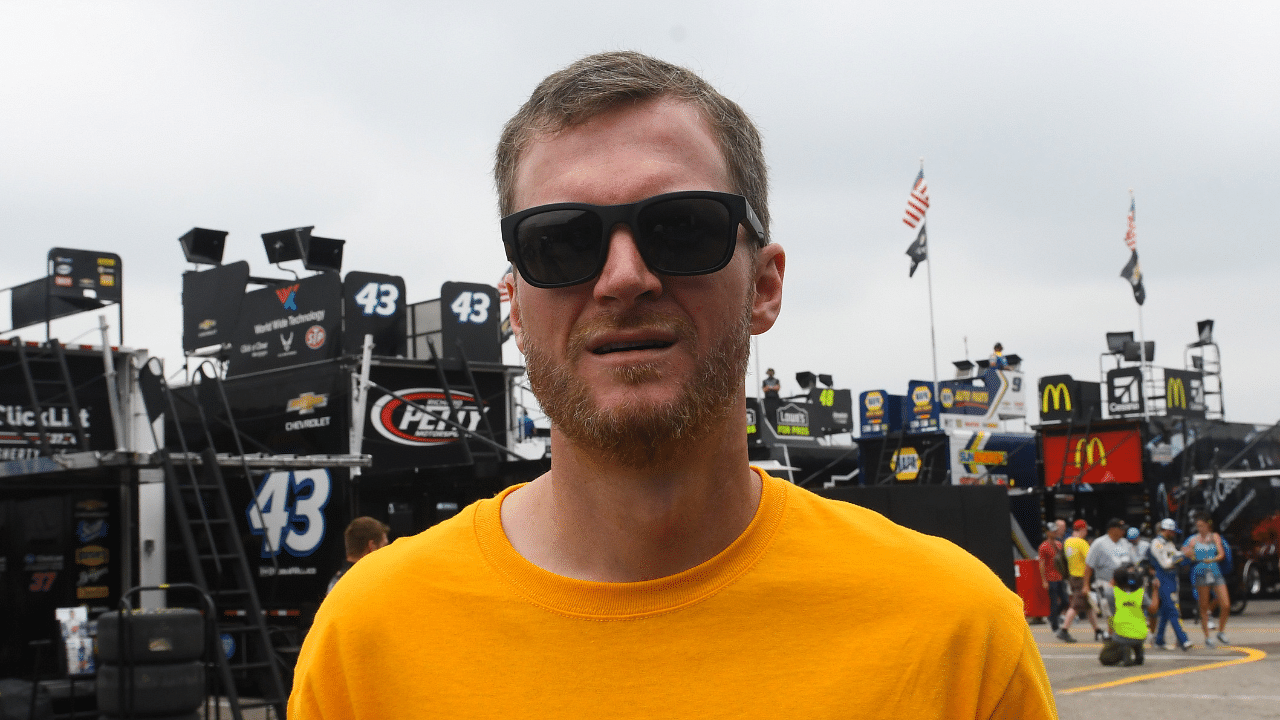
(947, 397)
(906, 464)
(921, 395)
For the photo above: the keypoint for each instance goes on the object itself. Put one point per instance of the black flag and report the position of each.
(919, 251)
(1133, 274)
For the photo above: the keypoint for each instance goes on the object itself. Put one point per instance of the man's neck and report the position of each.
(590, 520)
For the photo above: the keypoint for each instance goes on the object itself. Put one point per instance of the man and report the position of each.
(997, 360)
(1050, 576)
(1076, 548)
(1166, 556)
(1107, 554)
(771, 385)
(651, 572)
(362, 536)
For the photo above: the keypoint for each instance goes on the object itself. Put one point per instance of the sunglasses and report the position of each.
(679, 233)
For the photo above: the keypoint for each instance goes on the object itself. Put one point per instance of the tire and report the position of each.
(157, 636)
(157, 689)
(1252, 585)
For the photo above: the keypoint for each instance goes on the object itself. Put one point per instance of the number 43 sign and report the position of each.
(373, 304)
(289, 513)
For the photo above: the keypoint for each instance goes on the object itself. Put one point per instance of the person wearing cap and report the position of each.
(1107, 554)
(1050, 574)
(1075, 549)
(1165, 556)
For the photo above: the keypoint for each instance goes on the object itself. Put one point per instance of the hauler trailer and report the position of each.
(331, 365)
(1147, 443)
(799, 438)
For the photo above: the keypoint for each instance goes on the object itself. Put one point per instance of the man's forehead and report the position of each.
(621, 155)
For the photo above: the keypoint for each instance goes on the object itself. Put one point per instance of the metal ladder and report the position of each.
(48, 381)
(198, 498)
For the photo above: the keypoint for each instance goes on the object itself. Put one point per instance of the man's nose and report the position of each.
(625, 276)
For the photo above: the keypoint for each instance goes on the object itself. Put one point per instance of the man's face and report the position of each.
(632, 362)
(1062, 528)
(1115, 533)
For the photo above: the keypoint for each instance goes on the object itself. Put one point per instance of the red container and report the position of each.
(1035, 598)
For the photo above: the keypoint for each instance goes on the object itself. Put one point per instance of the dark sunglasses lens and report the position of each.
(687, 235)
(560, 246)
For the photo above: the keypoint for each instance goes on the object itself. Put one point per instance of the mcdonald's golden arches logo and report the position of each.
(1061, 397)
(1087, 450)
(1175, 393)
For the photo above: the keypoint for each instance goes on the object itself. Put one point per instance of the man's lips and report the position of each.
(631, 345)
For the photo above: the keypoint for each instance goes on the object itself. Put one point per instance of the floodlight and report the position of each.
(805, 379)
(1116, 342)
(322, 253)
(203, 247)
(1014, 360)
(285, 245)
(962, 367)
(1133, 354)
(1204, 329)
(825, 379)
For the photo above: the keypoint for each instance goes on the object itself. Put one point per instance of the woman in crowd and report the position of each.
(1205, 547)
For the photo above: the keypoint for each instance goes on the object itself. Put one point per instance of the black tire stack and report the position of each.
(159, 664)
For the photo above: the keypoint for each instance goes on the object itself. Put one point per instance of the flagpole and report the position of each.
(933, 342)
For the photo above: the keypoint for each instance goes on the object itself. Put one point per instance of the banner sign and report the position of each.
(288, 324)
(1099, 458)
(1124, 392)
(1184, 393)
(211, 304)
(922, 415)
(754, 417)
(19, 434)
(470, 317)
(879, 413)
(830, 411)
(986, 458)
(85, 274)
(373, 304)
(1063, 398)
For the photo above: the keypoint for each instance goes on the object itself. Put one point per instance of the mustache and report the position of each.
(632, 319)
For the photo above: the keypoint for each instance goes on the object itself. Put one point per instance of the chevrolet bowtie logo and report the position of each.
(306, 403)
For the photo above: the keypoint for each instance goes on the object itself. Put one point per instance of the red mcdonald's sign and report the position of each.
(1106, 457)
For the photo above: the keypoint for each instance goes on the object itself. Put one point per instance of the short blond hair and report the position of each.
(599, 83)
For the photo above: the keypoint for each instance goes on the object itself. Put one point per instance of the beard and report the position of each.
(637, 433)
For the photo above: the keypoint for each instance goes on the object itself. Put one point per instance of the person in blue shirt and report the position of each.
(1165, 557)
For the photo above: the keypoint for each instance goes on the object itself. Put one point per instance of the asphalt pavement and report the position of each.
(1238, 681)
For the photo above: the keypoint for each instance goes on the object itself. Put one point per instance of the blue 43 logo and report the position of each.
(290, 511)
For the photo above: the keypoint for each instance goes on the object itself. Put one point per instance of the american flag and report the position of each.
(1131, 234)
(918, 203)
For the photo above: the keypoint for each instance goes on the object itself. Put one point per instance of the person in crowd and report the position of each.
(1052, 562)
(1107, 554)
(362, 536)
(1205, 547)
(1076, 549)
(997, 360)
(771, 385)
(1128, 625)
(1165, 558)
(651, 572)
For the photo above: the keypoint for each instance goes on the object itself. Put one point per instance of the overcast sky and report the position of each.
(123, 125)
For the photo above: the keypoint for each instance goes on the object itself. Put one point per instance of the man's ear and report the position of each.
(771, 265)
(517, 327)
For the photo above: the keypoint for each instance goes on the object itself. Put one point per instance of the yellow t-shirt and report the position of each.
(1076, 550)
(820, 609)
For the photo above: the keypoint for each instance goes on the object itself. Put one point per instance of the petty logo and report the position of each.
(399, 422)
(314, 337)
(288, 296)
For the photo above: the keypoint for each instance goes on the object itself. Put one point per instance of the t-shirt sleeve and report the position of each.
(318, 678)
(1028, 694)
(1046, 553)
(1094, 558)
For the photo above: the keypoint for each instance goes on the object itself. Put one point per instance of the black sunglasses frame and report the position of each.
(740, 211)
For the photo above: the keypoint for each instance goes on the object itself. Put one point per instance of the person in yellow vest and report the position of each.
(1128, 622)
